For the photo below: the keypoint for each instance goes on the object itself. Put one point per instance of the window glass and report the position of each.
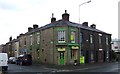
(61, 36)
(38, 38)
(72, 37)
(106, 40)
(91, 38)
(81, 37)
(31, 40)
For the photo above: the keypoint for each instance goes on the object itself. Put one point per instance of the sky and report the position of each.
(17, 15)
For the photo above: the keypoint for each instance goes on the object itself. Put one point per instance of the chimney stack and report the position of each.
(10, 39)
(93, 26)
(30, 29)
(35, 26)
(65, 16)
(53, 19)
(85, 24)
(21, 34)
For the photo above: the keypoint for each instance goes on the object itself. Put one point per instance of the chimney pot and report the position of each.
(65, 16)
(85, 24)
(30, 29)
(93, 26)
(53, 19)
(10, 39)
(35, 26)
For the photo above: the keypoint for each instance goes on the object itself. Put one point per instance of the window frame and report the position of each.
(91, 38)
(61, 36)
(38, 38)
(72, 33)
(31, 39)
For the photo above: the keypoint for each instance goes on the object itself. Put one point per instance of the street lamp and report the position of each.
(79, 8)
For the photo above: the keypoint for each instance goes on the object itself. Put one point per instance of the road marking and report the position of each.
(88, 68)
(114, 69)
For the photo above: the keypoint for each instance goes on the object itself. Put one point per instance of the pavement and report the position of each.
(72, 67)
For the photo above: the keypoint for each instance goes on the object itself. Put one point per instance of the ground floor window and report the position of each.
(73, 54)
(92, 56)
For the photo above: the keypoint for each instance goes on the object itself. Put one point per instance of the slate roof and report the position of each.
(66, 23)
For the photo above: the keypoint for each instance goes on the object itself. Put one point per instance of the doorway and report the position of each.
(61, 58)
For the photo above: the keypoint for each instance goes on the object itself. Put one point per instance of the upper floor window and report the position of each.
(20, 42)
(38, 38)
(107, 40)
(91, 38)
(61, 36)
(100, 38)
(81, 37)
(25, 41)
(31, 39)
(72, 37)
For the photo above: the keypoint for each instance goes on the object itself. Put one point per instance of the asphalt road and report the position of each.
(109, 68)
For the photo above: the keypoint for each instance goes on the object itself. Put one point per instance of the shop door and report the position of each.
(61, 58)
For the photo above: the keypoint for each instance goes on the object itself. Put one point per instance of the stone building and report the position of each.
(62, 42)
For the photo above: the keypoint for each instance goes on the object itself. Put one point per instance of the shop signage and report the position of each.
(75, 47)
(61, 49)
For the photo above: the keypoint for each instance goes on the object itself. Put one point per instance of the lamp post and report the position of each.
(79, 8)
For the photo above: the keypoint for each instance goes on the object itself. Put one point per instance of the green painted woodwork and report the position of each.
(61, 28)
(73, 44)
(61, 58)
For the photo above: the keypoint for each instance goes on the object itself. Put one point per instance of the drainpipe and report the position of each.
(53, 45)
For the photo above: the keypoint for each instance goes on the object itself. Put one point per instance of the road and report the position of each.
(110, 68)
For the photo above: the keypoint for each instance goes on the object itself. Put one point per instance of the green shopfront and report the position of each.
(67, 45)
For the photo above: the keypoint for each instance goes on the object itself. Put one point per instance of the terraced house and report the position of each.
(62, 42)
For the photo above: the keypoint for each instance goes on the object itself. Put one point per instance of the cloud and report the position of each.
(7, 6)
(19, 4)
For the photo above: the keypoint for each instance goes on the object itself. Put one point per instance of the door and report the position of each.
(61, 58)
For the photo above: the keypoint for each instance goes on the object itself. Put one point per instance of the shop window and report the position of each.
(73, 54)
(92, 56)
(61, 36)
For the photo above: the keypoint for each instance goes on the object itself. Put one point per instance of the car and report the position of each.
(12, 60)
(25, 59)
(4, 61)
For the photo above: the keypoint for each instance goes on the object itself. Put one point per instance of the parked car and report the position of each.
(4, 61)
(12, 60)
(25, 59)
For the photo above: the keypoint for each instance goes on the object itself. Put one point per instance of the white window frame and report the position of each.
(38, 38)
(91, 38)
(61, 34)
(107, 40)
(31, 39)
(100, 38)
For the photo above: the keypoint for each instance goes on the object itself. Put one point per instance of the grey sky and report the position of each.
(17, 15)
